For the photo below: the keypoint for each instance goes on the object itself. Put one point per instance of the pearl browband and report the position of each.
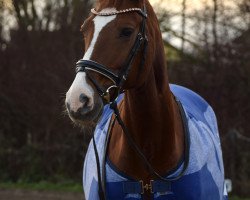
(118, 12)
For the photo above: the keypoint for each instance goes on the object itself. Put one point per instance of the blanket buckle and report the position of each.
(147, 187)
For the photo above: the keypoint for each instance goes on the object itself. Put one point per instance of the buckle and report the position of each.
(106, 95)
(147, 187)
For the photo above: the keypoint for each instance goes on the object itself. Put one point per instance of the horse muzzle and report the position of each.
(82, 102)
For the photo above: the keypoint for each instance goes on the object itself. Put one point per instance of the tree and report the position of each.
(184, 7)
(37, 67)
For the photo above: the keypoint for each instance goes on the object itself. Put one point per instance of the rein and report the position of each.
(118, 81)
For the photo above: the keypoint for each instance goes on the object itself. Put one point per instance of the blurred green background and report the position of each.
(208, 50)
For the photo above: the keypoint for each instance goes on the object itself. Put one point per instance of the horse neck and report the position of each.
(149, 112)
(152, 117)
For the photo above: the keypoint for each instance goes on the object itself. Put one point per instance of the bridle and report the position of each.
(118, 81)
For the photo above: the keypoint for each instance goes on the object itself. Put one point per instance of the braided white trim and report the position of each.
(116, 12)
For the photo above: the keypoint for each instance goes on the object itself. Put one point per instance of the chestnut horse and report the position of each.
(154, 141)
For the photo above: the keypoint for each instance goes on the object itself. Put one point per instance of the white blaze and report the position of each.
(80, 85)
(99, 23)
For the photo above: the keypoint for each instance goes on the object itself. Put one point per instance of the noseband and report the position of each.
(117, 79)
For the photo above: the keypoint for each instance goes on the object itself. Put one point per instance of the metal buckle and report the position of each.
(147, 187)
(106, 95)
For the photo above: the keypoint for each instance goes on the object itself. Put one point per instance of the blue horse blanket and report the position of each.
(204, 177)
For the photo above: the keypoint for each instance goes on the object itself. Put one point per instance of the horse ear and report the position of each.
(81, 28)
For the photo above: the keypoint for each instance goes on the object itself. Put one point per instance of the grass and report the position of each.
(44, 186)
(238, 198)
(60, 187)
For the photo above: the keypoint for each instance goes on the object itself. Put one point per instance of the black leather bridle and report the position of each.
(118, 81)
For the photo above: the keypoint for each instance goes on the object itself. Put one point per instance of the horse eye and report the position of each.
(126, 32)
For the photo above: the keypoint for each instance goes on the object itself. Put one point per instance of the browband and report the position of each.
(139, 10)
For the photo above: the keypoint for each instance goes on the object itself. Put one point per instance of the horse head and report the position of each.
(119, 50)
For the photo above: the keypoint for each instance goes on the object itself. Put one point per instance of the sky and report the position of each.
(195, 4)
(174, 4)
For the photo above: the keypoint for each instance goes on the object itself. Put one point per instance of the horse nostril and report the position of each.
(84, 99)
